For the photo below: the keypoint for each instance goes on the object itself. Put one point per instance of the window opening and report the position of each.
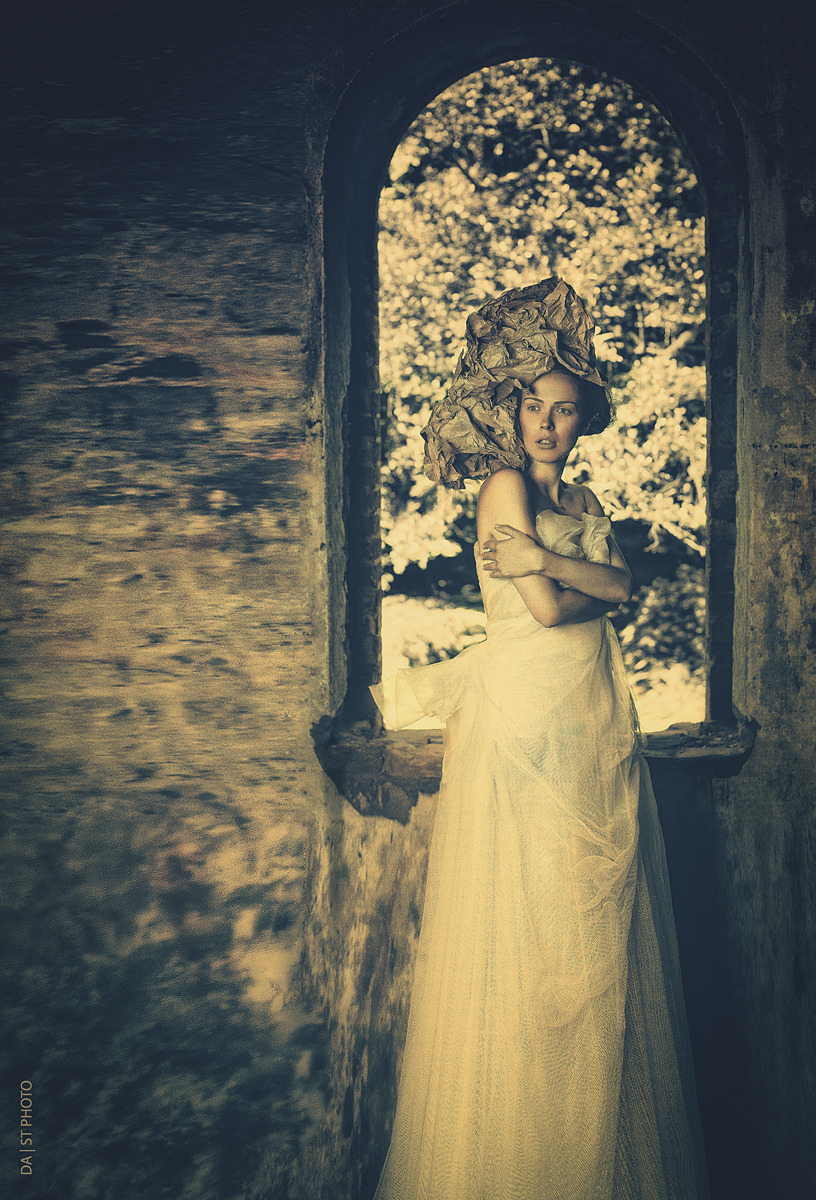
(517, 172)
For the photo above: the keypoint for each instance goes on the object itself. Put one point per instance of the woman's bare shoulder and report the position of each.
(593, 504)
(503, 499)
(507, 481)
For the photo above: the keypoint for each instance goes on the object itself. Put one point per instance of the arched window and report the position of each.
(372, 118)
(518, 172)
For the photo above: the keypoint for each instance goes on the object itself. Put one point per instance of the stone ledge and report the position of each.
(719, 749)
(381, 774)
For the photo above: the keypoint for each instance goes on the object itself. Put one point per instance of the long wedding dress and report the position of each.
(547, 1054)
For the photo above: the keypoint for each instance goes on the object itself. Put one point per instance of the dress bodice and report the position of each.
(575, 537)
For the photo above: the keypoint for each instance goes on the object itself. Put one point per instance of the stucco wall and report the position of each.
(209, 950)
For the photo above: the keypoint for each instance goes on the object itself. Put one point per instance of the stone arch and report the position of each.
(373, 115)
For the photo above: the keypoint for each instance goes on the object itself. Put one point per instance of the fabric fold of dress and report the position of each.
(547, 1054)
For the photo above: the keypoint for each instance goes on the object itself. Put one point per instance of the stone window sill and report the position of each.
(382, 774)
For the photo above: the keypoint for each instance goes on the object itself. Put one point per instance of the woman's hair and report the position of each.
(597, 404)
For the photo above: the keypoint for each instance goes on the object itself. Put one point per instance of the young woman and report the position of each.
(547, 1054)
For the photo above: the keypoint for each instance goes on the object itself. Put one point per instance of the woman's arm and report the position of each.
(574, 607)
(503, 499)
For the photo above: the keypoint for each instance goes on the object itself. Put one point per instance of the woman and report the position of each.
(547, 1055)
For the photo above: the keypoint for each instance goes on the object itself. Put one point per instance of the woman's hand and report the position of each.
(513, 556)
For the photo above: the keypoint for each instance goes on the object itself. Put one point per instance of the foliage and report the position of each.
(650, 464)
(518, 172)
(647, 637)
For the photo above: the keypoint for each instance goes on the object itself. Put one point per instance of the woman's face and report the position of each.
(550, 417)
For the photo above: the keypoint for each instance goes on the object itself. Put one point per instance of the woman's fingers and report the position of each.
(486, 552)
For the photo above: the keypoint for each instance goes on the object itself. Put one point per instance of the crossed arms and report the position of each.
(557, 590)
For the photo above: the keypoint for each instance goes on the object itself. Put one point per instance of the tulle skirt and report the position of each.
(547, 1055)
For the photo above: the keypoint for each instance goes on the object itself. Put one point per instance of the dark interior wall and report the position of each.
(156, 619)
(209, 951)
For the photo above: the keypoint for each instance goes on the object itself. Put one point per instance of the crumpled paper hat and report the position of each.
(510, 342)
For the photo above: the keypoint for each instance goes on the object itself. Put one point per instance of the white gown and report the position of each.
(547, 1054)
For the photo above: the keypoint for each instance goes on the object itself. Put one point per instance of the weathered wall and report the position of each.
(209, 951)
(156, 620)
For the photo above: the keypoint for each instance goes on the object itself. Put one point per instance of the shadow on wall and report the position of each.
(155, 1071)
